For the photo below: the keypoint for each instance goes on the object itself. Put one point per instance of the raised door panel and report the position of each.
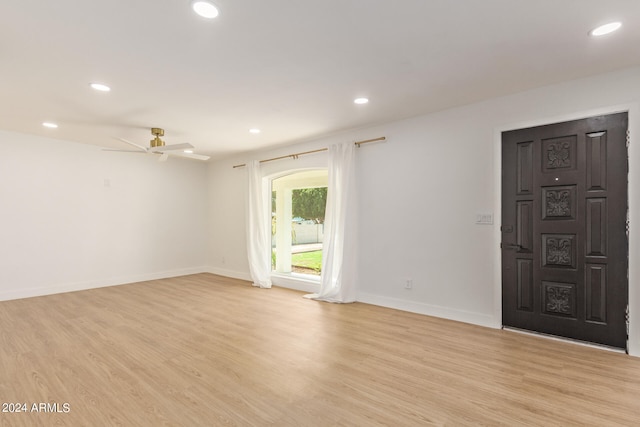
(596, 293)
(524, 168)
(596, 227)
(596, 161)
(559, 203)
(524, 225)
(525, 284)
(559, 153)
(559, 251)
(559, 299)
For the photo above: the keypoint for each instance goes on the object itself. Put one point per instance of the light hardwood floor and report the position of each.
(204, 350)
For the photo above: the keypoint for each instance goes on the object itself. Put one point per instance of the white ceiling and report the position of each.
(289, 67)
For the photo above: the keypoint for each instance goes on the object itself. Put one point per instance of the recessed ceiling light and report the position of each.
(605, 29)
(254, 131)
(205, 9)
(188, 151)
(49, 125)
(361, 100)
(99, 86)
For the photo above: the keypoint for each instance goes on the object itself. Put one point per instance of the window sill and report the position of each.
(297, 281)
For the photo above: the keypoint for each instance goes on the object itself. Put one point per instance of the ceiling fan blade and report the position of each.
(164, 148)
(188, 155)
(133, 144)
(124, 151)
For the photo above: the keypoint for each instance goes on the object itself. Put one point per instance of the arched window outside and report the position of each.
(298, 202)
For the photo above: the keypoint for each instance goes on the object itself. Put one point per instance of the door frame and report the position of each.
(633, 197)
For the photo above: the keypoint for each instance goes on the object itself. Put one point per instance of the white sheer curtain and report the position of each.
(338, 280)
(258, 229)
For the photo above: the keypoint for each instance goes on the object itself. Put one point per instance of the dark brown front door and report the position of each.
(564, 239)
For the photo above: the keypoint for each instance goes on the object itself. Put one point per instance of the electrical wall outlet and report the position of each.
(408, 283)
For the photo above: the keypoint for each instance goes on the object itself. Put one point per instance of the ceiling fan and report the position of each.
(157, 146)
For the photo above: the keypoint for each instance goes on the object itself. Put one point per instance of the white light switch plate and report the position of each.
(484, 218)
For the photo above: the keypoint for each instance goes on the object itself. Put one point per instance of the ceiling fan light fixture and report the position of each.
(100, 87)
(205, 8)
(605, 29)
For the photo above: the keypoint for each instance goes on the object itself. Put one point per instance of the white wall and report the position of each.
(423, 188)
(62, 228)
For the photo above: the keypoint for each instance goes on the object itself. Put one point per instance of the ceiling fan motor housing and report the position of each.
(157, 142)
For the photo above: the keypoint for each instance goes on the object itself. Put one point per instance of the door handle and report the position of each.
(510, 246)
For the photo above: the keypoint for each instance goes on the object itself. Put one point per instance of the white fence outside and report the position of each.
(307, 233)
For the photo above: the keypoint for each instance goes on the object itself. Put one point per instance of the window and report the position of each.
(298, 207)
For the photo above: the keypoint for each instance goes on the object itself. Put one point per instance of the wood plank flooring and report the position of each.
(204, 350)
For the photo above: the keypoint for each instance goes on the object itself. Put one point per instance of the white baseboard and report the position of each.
(430, 310)
(300, 284)
(98, 283)
(242, 275)
(282, 281)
